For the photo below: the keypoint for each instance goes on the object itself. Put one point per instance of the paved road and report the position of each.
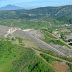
(40, 43)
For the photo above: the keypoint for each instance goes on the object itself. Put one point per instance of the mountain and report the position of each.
(11, 7)
(61, 13)
(54, 11)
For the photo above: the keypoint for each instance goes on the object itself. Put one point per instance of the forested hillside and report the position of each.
(14, 58)
(63, 13)
(10, 7)
(49, 24)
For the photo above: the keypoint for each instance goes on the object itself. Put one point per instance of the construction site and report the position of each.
(24, 34)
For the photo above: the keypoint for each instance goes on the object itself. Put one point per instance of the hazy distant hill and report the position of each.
(10, 7)
(54, 11)
(62, 13)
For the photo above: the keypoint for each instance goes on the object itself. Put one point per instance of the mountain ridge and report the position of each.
(62, 13)
(10, 7)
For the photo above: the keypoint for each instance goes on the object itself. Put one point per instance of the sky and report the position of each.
(35, 3)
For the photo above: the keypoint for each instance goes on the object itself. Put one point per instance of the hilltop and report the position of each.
(62, 14)
(10, 7)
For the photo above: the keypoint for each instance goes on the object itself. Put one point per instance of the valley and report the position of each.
(36, 40)
(24, 39)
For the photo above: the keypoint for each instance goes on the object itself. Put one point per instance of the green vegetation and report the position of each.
(58, 42)
(47, 51)
(49, 59)
(49, 38)
(70, 39)
(70, 44)
(63, 37)
(2, 38)
(54, 54)
(24, 23)
(37, 18)
(70, 66)
(49, 14)
(20, 39)
(47, 34)
(14, 58)
(65, 58)
(29, 62)
(7, 51)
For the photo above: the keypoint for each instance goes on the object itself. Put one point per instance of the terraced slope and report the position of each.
(14, 58)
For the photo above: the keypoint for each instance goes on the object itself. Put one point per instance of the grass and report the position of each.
(7, 51)
(49, 59)
(29, 62)
(47, 51)
(54, 54)
(48, 34)
(49, 38)
(14, 58)
(70, 66)
(20, 39)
